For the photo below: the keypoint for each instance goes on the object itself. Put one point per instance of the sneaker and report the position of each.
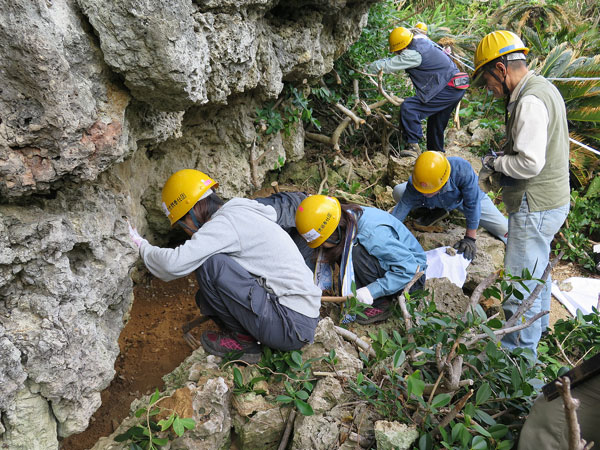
(375, 314)
(219, 344)
(412, 150)
(432, 217)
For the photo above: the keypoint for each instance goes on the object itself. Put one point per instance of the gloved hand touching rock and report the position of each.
(135, 236)
(467, 247)
(363, 295)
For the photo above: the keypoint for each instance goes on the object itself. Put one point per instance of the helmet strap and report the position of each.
(195, 219)
(505, 89)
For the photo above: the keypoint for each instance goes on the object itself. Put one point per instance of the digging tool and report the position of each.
(187, 327)
(334, 299)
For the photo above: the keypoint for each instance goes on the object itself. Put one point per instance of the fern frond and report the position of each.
(571, 90)
(584, 114)
(557, 61)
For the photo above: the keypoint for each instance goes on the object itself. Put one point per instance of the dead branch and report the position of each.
(452, 414)
(350, 336)
(323, 167)
(360, 440)
(390, 98)
(275, 186)
(356, 91)
(456, 116)
(475, 297)
(507, 330)
(335, 136)
(318, 137)
(387, 122)
(402, 299)
(366, 108)
(571, 404)
(357, 120)
(288, 430)
(531, 299)
(333, 299)
(445, 390)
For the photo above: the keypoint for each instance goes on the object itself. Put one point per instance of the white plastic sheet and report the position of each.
(442, 265)
(583, 295)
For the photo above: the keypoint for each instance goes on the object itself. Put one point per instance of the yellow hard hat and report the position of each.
(431, 172)
(400, 38)
(182, 190)
(317, 217)
(496, 44)
(421, 26)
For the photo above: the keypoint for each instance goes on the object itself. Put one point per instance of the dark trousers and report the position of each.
(234, 297)
(367, 270)
(437, 110)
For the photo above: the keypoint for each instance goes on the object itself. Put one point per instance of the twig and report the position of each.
(335, 136)
(571, 404)
(456, 116)
(356, 92)
(371, 185)
(275, 186)
(392, 99)
(350, 336)
(318, 137)
(444, 390)
(487, 282)
(507, 330)
(562, 352)
(531, 299)
(322, 166)
(452, 414)
(288, 430)
(357, 120)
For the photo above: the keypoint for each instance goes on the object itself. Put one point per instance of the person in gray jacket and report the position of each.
(252, 278)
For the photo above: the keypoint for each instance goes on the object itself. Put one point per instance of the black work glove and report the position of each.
(467, 247)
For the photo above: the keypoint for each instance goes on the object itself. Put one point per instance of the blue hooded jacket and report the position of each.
(397, 250)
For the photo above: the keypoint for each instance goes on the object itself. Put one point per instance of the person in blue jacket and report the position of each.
(443, 184)
(373, 249)
(438, 83)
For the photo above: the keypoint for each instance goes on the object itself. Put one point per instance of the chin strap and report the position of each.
(194, 220)
(505, 90)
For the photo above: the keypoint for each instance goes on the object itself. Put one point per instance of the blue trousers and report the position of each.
(236, 299)
(437, 111)
(529, 238)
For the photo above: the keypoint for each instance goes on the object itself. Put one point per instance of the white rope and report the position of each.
(581, 144)
(574, 79)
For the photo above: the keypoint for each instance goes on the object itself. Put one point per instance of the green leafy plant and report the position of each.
(241, 388)
(145, 436)
(298, 397)
(580, 229)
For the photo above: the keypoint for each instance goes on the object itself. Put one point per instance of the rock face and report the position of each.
(99, 103)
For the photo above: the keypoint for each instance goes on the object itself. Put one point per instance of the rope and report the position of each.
(574, 79)
(581, 144)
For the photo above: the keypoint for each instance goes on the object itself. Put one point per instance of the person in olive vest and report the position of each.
(534, 168)
(438, 83)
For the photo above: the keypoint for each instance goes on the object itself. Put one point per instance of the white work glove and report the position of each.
(364, 296)
(135, 236)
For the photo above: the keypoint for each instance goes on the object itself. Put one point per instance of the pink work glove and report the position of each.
(135, 236)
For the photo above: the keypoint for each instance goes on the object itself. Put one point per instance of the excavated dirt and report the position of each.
(151, 346)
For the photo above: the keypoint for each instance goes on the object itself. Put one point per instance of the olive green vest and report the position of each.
(550, 188)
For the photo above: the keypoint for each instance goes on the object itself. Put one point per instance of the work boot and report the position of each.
(221, 343)
(413, 150)
(432, 217)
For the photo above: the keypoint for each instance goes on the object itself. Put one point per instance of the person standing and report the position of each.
(534, 168)
(251, 277)
(438, 83)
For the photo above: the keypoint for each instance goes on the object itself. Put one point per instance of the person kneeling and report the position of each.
(372, 248)
(252, 278)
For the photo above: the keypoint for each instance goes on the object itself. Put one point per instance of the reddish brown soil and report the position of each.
(151, 346)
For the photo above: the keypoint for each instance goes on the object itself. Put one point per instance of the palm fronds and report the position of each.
(531, 13)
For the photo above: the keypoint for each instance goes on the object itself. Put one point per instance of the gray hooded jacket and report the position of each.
(246, 231)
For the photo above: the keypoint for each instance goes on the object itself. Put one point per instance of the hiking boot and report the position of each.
(413, 150)
(376, 314)
(432, 217)
(221, 343)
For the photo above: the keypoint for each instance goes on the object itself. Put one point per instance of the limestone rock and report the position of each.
(328, 392)
(250, 402)
(263, 430)
(29, 412)
(316, 432)
(399, 170)
(394, 435)
(326, 339)
(448, 297)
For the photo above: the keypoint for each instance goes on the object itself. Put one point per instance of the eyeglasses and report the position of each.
(338, 237)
